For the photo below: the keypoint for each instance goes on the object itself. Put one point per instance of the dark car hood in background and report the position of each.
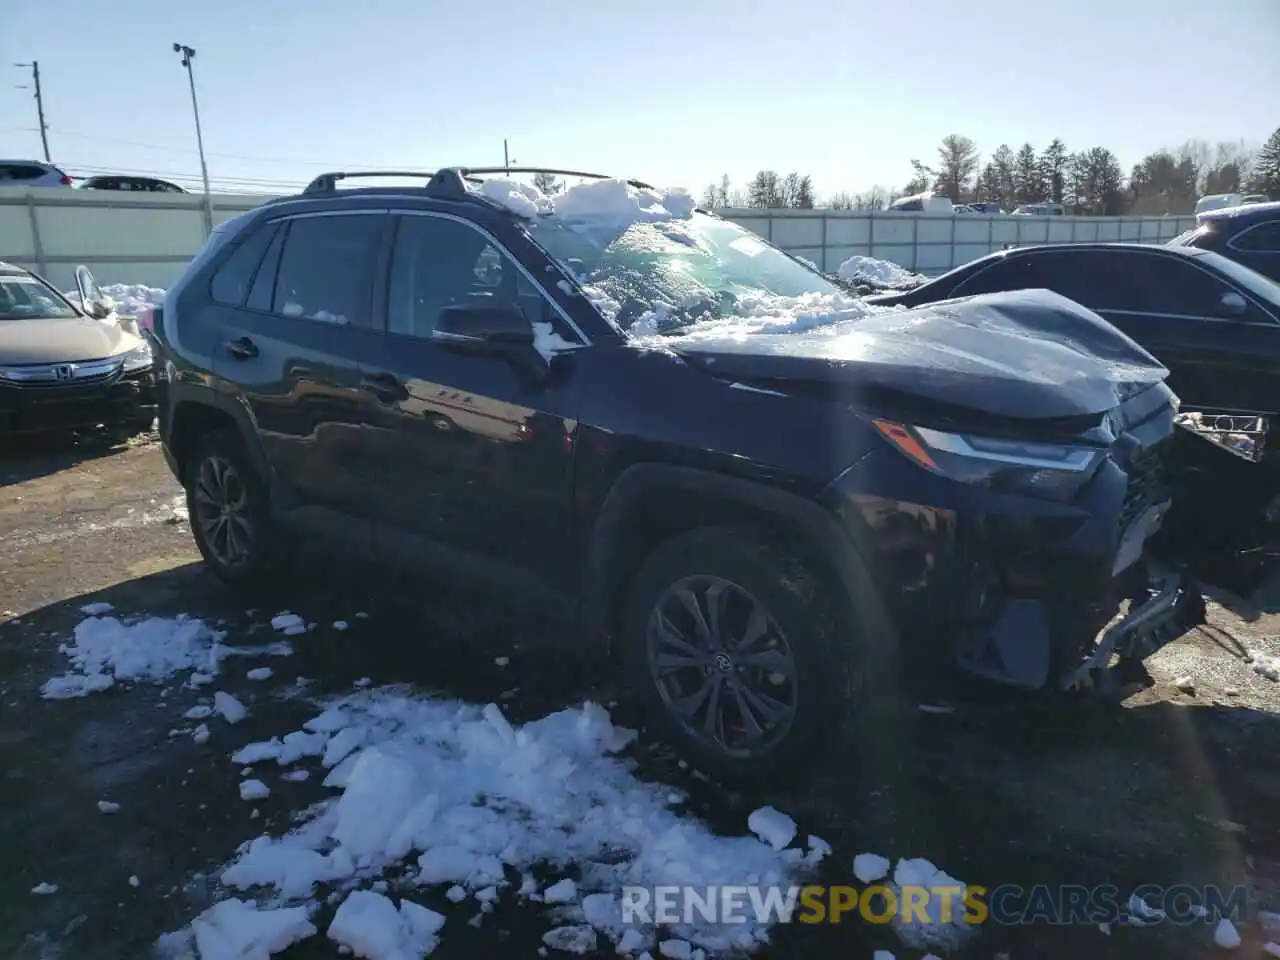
(1030, 354)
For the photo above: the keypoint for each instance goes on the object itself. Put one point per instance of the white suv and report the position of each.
(31, 173)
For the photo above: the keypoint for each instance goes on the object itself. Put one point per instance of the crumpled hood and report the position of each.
(62, 341)
(1029, 354)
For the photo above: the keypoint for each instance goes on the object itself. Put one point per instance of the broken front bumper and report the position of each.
(1173, 606)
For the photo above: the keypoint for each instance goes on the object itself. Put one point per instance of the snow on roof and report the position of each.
(613, 200)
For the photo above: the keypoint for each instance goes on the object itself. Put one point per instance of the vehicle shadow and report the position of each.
(1009, 790)
(32, 456)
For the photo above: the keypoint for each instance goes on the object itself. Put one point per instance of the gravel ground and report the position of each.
(1172, 787)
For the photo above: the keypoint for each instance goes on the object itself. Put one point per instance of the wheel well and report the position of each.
(661, 514)
(191, 421)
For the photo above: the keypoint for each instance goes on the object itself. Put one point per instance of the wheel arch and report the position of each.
(651, 502)
(194, 417)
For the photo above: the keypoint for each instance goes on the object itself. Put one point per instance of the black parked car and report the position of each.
(591, 413)
(1248, 234)
(134, 184)
(1215, 324)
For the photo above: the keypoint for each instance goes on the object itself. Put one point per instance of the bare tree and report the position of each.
(841, 200)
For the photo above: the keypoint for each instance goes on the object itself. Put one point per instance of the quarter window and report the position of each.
(231, 281)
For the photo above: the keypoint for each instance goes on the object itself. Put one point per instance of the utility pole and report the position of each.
(506, 157)
(188, 54)
(44, 128)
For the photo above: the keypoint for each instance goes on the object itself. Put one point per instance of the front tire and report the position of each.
(737, 648)
(229, 509)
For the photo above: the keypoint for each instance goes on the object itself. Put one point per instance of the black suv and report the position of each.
(770, 499)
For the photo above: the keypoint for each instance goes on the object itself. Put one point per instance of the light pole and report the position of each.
(44, 129)
(188, 54)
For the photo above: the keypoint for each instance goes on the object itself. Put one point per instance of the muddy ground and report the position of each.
(1170, 788)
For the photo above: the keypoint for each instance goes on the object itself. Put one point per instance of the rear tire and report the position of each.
(229, 507)
(767, 651)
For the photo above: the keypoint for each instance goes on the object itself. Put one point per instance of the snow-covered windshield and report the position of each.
(26, 298)
(663, 276)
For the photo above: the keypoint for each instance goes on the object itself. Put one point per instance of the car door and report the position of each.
(471, 456)
(291, 356)
(1258, 248)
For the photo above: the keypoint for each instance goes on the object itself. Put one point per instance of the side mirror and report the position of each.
(90, 294)
(484, 327)
(1231, 304)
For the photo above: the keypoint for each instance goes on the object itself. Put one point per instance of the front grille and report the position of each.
(1146, 484)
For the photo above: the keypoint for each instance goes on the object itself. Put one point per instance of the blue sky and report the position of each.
(675, 91)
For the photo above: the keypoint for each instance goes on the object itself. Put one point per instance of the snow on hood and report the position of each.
(873, 270)
(612, 200)
(758, 312)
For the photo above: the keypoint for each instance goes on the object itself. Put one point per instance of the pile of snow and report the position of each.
(613, 200)
(105, 650)
(480, 802)
(870, 270)
(128, 299)
(108, 650)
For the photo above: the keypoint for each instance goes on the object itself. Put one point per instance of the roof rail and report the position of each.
(328, 182)
(472, 171)
(449, 181)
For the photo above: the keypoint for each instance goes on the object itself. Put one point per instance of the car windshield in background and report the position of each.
(25, 298)
(1264, 288)
(673, 273)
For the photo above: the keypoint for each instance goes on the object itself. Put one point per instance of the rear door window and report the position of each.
(1065, 273)
(1260, 238)
(326, 268)
(231, 281)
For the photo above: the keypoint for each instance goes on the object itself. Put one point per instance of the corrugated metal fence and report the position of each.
(147, 238)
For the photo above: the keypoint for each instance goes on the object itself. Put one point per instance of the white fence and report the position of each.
(147, 238)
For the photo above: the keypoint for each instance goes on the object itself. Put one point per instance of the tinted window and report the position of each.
(438, 263)
(325, 268)
(231, 280)
(264, 283)
(1057, 272)
(1260, 238)
(20, 171)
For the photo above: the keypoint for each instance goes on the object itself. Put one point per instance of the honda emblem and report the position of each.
(65, 371)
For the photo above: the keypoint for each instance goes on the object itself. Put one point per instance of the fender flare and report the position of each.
(183, 395)
(820, 528)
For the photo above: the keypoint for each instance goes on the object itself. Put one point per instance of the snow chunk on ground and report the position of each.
(260, 673)
(254, 790)
(106, 650)
(285, 621)
(287, 864)
(932, 931)
(773, 827)
(522, 199)
(870, 867)
(236, 930)
(370, 926)
(875, 271)
(232, 710)
(1226, 935)
(96, 609)
(572, 939)
(473, 795)
(108, 806)
(200, 734)
(44, 889)
(564, 891)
